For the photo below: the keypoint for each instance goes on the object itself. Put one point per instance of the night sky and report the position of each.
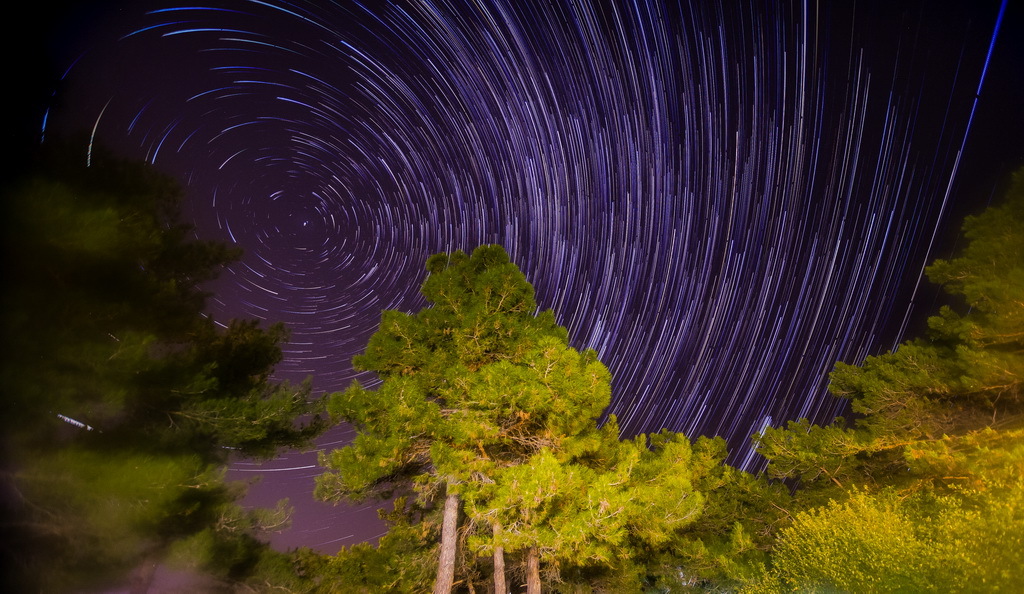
(721, 198)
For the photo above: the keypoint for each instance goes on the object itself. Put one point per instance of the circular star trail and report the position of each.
(722, 199)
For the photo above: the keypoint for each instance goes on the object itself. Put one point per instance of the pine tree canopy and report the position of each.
(122, 399)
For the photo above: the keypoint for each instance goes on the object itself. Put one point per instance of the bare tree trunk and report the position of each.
(446, 563)
(533, 571)
(499, 564)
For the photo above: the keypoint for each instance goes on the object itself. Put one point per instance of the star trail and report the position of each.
(722, 199)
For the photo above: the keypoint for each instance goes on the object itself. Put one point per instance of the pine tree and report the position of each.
(483, 312)
(484, 407)
(121, 398)
(936, 446)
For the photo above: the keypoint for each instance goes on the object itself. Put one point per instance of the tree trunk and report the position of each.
(533, 571)
(446, 563)
(499, 564)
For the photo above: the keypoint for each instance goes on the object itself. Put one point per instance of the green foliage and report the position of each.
(967, 542)
(596, 522)
(483, 312)
(98, 510)
(225, 547)
(484, 398)
(729, 544)
(103, 324)
(923, 492)
(394, 424)
(473, 383)
(966, 376)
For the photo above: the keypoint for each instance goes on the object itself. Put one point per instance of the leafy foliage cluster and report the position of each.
(923, 491)
(483, 402)
(121, 399)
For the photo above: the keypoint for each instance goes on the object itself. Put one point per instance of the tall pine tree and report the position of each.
(487, 413)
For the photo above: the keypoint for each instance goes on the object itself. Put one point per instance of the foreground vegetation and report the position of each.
(486, 423)
(121, 399)
(482, 436)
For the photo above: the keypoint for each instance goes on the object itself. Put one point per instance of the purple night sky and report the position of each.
(721, 198)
